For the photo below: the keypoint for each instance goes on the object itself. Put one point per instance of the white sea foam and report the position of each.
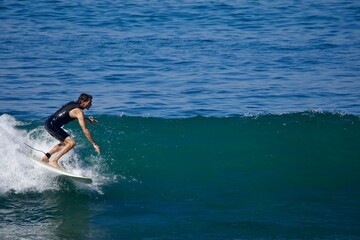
(19, 174)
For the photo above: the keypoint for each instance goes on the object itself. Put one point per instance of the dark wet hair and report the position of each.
(84, 97)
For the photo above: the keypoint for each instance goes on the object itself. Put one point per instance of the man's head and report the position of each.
(85, 101)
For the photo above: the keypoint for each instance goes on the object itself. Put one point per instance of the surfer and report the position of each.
(67, 113)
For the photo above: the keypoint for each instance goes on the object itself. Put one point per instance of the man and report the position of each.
(66, 114)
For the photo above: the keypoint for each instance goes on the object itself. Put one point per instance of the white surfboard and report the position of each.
(62, 172)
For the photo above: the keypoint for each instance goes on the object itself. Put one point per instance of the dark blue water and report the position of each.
(180, 58)
(273, 154)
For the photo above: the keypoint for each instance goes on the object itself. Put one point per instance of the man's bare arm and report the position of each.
(78, 113)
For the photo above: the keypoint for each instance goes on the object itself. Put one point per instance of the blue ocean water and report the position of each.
(217, 119)
(180, 58)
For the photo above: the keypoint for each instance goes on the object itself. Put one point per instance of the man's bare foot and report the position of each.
(55, 165)
(45, 159)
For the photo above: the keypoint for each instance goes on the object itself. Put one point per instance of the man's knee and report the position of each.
(70, 142)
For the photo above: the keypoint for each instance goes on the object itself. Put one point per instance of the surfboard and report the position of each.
(62, 172)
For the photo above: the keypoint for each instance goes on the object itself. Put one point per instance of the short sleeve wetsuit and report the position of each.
(61, 117)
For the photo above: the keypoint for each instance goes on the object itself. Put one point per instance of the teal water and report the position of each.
(267, 176)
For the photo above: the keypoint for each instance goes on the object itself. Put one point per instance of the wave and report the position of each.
(307, 150)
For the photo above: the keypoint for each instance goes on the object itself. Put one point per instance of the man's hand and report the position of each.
(97, 148)
(91, 120)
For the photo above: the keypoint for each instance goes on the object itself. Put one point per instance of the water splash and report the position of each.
(19, 174)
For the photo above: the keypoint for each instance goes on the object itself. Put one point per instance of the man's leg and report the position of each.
(68, 144)
(52, 151)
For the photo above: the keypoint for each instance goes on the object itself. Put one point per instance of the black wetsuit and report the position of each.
(61, 117)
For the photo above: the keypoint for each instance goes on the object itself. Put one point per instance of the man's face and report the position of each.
(86, 104)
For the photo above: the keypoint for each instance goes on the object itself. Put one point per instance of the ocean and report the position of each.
(217, 119)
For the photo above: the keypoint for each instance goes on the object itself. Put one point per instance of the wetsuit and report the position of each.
(61, 117)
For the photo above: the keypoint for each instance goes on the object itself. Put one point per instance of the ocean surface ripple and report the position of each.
(180, 58)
